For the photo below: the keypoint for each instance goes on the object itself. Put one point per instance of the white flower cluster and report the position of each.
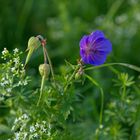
(39, 129)
(5, 81)
(6, 85)
(5, 52)
(16, 50)
(36, 130)
(20, 123)
(12, 72)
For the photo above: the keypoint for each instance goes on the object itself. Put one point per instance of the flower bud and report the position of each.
(33, 43)
(79, 74)
(44, 70)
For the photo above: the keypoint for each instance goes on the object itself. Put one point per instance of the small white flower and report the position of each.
(4, 51)
(13, 69)
(16, 60)
(19, 83)
(44, 130)
(37, 125)
(2, 84)
(3, 79)
(25, 83)
(6, 82)
(20, 118)
(25, 116)
(16, 136)
(44, 122)
(25, 135)
(35, 135)
(16, 120)
(16, 50)
(9, 89)
(32, 129)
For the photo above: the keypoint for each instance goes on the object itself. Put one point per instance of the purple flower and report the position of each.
(94, 48)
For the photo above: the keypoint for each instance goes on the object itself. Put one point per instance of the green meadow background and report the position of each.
(63, 23)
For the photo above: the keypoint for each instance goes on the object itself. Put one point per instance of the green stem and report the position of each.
(41, 89)
(111, 64)
(102, 106)
(102, 97)
(123, 93)
(49, 60)
(71, 77)
(45, 55)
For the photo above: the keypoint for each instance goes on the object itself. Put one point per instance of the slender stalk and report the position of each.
(70, 78)
(43, 78)
(49, 60)
(123, 93)
(102, 106)
(41, 90)
(133, 67)
(45, 55)
(102, 98)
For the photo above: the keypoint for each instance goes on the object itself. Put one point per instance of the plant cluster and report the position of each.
(55, 109)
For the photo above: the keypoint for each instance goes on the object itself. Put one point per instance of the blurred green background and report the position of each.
(64, 22)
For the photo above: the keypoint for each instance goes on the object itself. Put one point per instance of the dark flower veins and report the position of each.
(94, 48)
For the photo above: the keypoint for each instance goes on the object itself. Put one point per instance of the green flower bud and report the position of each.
(33, 44)
(44, 70)
(79, 74)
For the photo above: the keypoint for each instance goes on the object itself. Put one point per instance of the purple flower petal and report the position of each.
(96, 35)
(84, 41)
(103, 45)
(99, 59)
(94, 59)
(94, 48)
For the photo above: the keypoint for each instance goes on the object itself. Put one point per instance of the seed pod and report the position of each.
(33, 44)
(44, 70)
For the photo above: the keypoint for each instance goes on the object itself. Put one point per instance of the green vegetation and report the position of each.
(74, 101)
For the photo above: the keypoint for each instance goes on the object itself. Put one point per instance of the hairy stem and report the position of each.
(133, 67)
(41, 90)
(45, 55)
